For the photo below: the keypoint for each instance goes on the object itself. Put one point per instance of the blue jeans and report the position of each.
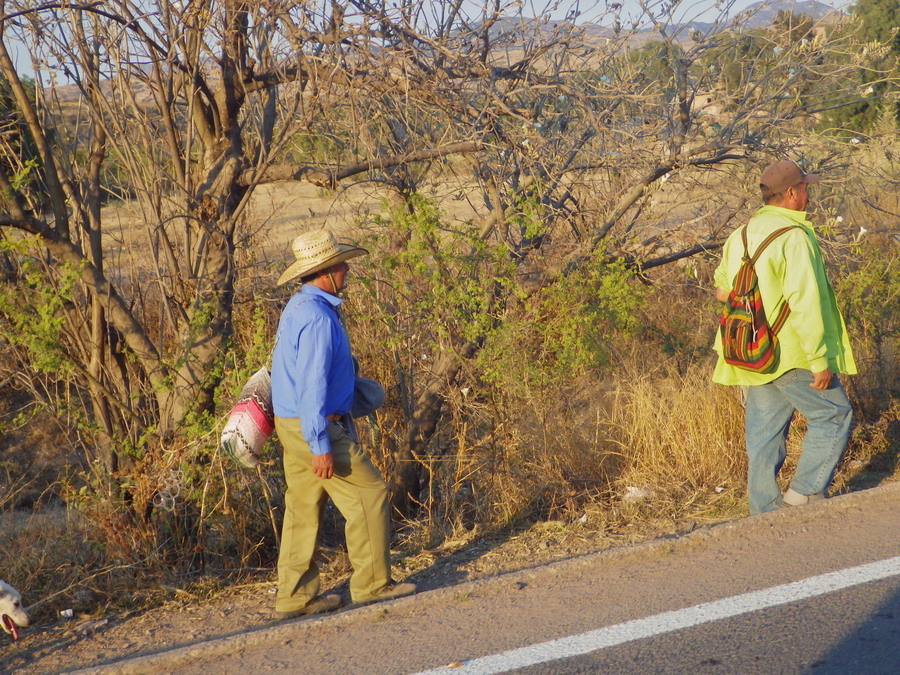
(770, 408)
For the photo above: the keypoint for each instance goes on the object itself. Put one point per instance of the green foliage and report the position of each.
(656, 60)
(792, 27)
(528, 215)
(449, 283)
(21, 162)
(445, 280)
(309, 148)
(737, 60)
(248, 351)
(880, 21)
(20, 179)
(870, 294)
(877, 25)
(567, 332)
(260, 350)
(760, 55)
(434, 291)
(32, 311)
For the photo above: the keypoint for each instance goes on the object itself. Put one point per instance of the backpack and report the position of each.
(748, 340)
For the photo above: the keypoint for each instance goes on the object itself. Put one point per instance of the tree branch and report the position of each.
(330, 178)
(120, 316)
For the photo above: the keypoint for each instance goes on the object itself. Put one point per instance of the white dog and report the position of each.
(11, 613)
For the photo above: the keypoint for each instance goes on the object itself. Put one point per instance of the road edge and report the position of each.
(165, 661)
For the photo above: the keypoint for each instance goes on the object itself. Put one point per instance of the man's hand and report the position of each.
(821, 380)
(721, 295)
(323, 465)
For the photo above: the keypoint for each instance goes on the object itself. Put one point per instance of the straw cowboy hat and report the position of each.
(315, 251)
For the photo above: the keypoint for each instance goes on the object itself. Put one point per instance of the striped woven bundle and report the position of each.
(250, 422)
(748, 340)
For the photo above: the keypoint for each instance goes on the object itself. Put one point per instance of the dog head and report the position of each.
(12, 616)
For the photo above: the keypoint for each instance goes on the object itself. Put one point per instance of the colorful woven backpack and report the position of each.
(748, 340)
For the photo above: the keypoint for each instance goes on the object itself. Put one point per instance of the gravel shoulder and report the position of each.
(84, 641)
(241, 617)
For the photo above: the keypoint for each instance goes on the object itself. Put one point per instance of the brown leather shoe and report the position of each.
(390, 590)
(318, 605)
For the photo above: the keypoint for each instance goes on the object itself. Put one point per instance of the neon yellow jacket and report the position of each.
(791, 268)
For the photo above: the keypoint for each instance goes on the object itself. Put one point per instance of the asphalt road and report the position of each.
(754, 596)
(856, 631)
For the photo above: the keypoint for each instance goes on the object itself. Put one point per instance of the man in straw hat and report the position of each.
(813, 346)
(313, 394)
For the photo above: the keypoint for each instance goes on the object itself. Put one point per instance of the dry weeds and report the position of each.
(650, 447)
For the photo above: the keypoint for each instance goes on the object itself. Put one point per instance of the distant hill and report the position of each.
(514, 29)
(763, 13)
(758, 15)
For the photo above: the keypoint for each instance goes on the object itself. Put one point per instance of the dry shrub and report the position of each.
(563, 445)
(681, 438)
(502, 465)
(59, 560)
(52, 556)
(177, 516)
(185, 520)
(36, 447)
(869, 292)
(873, 454)
(575, 396)
(575, 393)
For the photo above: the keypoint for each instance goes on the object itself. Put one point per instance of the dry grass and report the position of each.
(683, 440)
(652, 445)
(53, 554)
(644, 442)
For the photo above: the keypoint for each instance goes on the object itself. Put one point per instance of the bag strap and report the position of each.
(776, 325)
(768, 240)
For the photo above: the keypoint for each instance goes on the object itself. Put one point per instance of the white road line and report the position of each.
(667, 622)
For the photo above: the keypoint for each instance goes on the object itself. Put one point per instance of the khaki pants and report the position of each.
(358, 492)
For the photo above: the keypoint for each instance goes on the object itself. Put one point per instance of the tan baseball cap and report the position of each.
(778, 177)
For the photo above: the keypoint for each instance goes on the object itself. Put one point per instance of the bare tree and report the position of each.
(590, 149)
(185, 108)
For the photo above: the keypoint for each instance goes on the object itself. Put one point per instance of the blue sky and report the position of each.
(591, 11)
(685, 10)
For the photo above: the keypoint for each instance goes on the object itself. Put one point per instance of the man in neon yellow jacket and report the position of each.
(813, 347)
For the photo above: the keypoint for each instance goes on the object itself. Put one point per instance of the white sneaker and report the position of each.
(793, 498)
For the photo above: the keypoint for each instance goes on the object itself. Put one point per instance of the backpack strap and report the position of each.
(776, 325)
(785, 310)
(768, 240)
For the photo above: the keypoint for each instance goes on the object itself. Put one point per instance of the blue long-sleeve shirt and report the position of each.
(312, 370)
